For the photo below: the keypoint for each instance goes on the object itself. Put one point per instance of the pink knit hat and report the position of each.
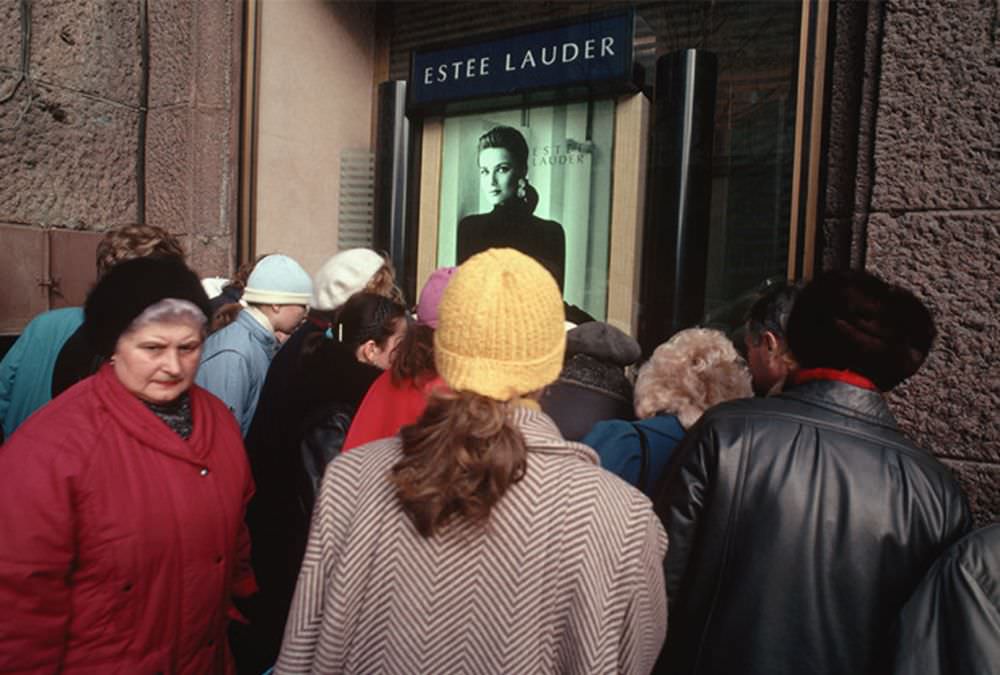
(430, 296)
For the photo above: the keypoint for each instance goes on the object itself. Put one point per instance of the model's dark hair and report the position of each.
(509, 139)
(852, 320)
(459, 459)
(771, 311)
(413, 358)
(365, 316)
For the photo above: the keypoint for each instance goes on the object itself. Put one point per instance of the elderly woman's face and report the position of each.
(498, 174)
(157, 361)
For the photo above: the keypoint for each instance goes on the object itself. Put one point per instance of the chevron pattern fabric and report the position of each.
(566, 577)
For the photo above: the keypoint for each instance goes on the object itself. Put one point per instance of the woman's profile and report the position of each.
(503, 178)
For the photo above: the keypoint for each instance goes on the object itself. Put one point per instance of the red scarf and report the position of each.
(819, 374)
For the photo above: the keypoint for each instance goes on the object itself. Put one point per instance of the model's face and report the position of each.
(157, 362)
(497, 175)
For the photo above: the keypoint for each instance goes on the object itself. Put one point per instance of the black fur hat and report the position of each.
(855, 321)
(128, 289)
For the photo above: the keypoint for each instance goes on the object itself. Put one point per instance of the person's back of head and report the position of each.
(500, 338)
(854, 321)
(694, 370)
(413, 360)
(352, 271)
(366, 318)
(594, 384)
(768, 356)
(135, 241)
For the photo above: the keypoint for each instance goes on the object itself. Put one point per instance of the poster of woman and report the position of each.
(538, 180)
(503, 176)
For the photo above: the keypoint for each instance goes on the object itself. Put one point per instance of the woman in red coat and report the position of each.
(399, 395)
(121, 536)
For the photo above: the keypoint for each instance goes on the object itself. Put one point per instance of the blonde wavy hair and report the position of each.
(689, 373)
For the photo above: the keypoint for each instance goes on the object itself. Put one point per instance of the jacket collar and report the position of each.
(258, 332)
(542, 435)
(845, 399)
(138, 421)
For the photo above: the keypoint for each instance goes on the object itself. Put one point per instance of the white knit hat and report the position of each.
(278, 280)
(342, 276)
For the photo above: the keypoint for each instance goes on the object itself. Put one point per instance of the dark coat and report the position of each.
(798, 527)
(304, 391)
(952, 622)
(513, 226)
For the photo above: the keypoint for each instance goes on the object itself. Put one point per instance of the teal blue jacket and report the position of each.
(26, 370)
(617, 444)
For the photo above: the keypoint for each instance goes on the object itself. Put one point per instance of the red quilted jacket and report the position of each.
(121, 544)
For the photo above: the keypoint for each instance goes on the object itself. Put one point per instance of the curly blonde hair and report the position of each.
(689, 373)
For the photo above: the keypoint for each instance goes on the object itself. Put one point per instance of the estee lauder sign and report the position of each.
(595, 53)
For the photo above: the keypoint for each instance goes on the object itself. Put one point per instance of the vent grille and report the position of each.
(357, 198)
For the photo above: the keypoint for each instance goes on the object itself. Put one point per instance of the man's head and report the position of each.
(768, 356)
(135, 241)
(855, 321)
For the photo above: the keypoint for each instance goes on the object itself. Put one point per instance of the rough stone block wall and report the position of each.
(68, 135)
(934, 223)
(192, 136)
(71, 129)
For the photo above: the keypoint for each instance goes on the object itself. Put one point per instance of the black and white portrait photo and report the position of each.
(537, 180)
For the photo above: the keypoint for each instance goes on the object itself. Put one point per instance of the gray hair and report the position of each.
(170, 310)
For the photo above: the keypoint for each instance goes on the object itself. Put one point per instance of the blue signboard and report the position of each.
(595, 52)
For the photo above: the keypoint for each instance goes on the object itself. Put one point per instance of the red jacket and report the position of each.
(387, 408)
(120, 542)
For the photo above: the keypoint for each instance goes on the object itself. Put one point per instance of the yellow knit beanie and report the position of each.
(501, 326)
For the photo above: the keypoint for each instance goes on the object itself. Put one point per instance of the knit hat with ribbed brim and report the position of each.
(500, 329)
(278, 280)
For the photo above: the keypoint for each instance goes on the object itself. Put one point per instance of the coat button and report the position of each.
(218, 559)
(204, 471)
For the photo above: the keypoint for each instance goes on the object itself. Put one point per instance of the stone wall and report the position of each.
(77, 148)
(923, 209)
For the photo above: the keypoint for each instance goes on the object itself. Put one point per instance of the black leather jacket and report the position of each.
(952, 622)
(798, 527)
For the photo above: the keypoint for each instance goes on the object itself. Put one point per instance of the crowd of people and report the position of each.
(304, 475)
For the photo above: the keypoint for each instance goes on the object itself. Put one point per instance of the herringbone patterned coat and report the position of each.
(566, 577)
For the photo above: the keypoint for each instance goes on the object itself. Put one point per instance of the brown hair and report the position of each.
(365, 316)
(414, 356)
(458, 460)
(135, 241)
(383, 283)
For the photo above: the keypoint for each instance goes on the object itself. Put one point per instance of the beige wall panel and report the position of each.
(316, 74)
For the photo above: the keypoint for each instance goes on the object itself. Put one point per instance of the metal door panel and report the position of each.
(23, 277)
(72, 266)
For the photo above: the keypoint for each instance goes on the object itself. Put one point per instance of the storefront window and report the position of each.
(536, 179)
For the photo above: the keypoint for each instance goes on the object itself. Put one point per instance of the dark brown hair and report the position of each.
(414, 356)
(459, 459)
(365, 316)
